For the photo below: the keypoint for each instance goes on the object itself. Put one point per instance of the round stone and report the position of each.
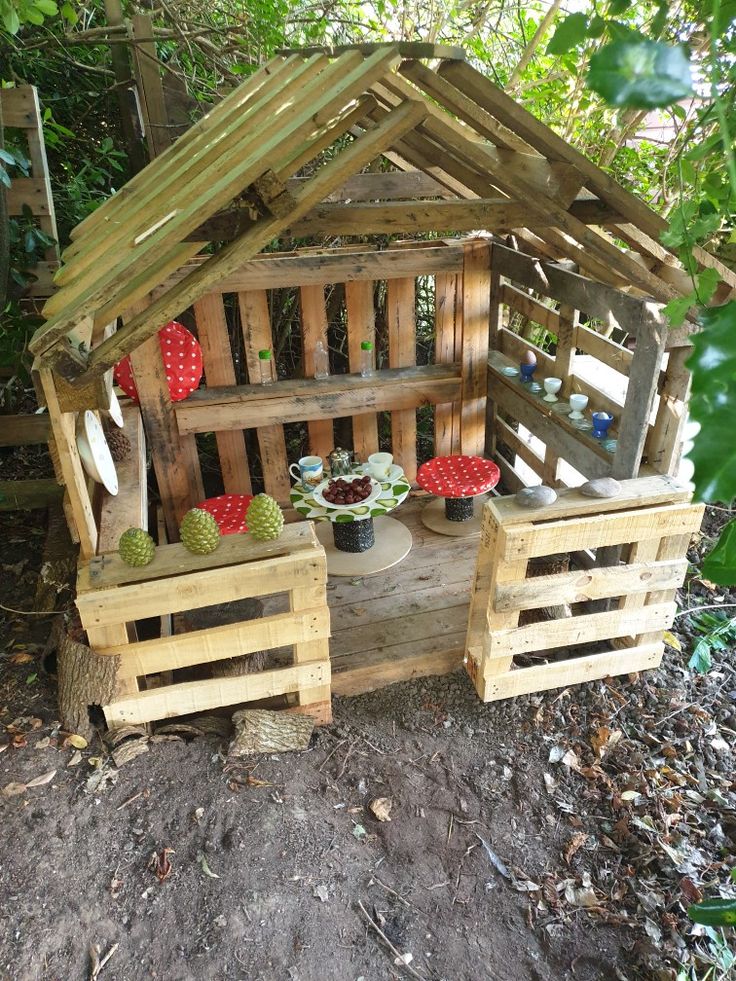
(535, 497)
(601, 487)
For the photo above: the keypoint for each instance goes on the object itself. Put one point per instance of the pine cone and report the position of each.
(119, 445)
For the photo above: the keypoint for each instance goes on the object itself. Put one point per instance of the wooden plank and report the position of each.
(193, 590)
(309, 267)
(493, 214)
(401, 321)
(530, 307)
(175, 459)
(219, 369)
(606, 350)
(150, 87)
(553, 430)
(476, 319)
(670, 548)
(389, 186)
(75, 479)
(19, 107)
(543, 139)
(581, 629)
(635, 579)
(315, 649)
(640, 395)
(371, 670)
(25, 495)
(255, 323)
(663, 448)
(129, 507)
(231, 257)
(407, 49)
(614, 308)
(599, 531)
(361, 324)
(216, 643)
(329, 398)
(574, 671)
(314, 330)
(30, 192)
(103, 572)
(446, 416)
(24, 430)
(567, 329)
(200, 696)
(570, 503)
(525, 451)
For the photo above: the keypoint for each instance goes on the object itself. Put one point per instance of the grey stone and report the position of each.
(535, 497)
(601, 487)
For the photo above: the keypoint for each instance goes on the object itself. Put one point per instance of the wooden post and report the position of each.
(150, 89)
(314, 329)
(476, 320)
(448, 345)
(361, 317)
(401, 316)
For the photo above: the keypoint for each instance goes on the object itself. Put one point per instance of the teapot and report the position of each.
(341, 462)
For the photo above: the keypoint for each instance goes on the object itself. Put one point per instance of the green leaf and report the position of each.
(4, 179)
(618, 7)
(33, 16)
(713, 364)
(7, 157)
(677, 309)
(597, 26)
(47, 7)
(69, 13)
(700, 660)
(569, 34)
(719, 566)
(714, 912)
(706, 284)
(10, 20)
(640, 74)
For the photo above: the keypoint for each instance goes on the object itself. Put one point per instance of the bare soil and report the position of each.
(556, 836)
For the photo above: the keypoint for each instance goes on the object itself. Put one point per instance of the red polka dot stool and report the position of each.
(228, 510)
(182, 359)
(458, 482)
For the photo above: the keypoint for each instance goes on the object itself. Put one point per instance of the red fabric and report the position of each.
(228, 510)
(182, 359)
(458, 476)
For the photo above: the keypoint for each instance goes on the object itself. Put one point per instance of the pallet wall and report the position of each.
(453, 387)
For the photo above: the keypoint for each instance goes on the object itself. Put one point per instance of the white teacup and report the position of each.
(379, 465)
(310, 471)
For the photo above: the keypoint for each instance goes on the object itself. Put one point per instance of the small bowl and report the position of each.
(95, 453)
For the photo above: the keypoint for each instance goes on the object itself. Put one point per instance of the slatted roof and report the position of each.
(469, 158)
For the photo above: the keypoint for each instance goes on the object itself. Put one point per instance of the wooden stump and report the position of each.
(262, 731)
(85, 679)
(546, 565)
(216, 616)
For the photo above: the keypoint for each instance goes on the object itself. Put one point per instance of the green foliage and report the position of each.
(640, 74)
(714, 912)
(570, 32)
(718, 633)
(713, 363)
(720, 565)
(15, 13)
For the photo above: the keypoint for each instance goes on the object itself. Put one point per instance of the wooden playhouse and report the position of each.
(430, 178)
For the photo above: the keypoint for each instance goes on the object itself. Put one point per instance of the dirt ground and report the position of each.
(556, 836)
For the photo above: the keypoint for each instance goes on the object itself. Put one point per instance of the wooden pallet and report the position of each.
(649, 526)
(111, 597)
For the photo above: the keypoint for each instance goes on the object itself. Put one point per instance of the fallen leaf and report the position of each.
(13, 789)
(75, 759)
(604, 739)
(19, 741)
(630, 795)
(381, 808)
(550, 783)
(115, 887)
(320, 892)
(198, 815)
(570, 759)
(556, 754)
(404, 959)
(202, 859)
(690, 891)
(672, 641)
(43, 779)
(584, 897)
(160, 864)
(22, 657)
(359, 831)
(42, 743)
(75, 740)
(32, 678)
(575, 844)
(255, 782)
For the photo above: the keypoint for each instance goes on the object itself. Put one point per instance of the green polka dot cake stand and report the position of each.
(359, 540)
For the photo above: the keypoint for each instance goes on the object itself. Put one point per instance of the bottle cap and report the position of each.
(366, 345)
(265, 355)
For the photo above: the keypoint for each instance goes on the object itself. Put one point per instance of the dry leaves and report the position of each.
(381, 808)
(159, 863)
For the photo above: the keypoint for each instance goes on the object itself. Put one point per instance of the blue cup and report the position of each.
(601, 424)
(310, 471)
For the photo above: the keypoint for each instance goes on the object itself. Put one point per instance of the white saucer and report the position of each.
(394, 472)
(115, 412)
(94, 451)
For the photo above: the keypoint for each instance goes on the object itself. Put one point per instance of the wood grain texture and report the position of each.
(361, 319)
(401, 319)
(314, 330)
(219, 369)
(447, 350)
(476, 320)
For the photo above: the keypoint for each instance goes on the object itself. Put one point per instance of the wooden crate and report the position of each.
(111, 597)
(644, 535)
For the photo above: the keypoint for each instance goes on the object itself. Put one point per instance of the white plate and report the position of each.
(115, 412)
(94, 451)
(374, 494)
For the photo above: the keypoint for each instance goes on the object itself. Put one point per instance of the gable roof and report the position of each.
(493, 166)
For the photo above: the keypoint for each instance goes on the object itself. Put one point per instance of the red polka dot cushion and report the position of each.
(182, 359)
(458, 476)
(228, 510)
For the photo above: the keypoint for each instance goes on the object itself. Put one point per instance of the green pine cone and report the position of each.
(199, 532)
(264, 518)
(136, 547)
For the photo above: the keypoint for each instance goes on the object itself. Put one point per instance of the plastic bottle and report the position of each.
(321, 361)
(366, 358)
(265, 362)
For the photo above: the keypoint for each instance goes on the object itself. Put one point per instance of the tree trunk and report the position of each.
(261, 731)
(85, 679)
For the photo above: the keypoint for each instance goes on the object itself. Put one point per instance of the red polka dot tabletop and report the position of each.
(458, 476)
(182, 359)
(229, 511)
